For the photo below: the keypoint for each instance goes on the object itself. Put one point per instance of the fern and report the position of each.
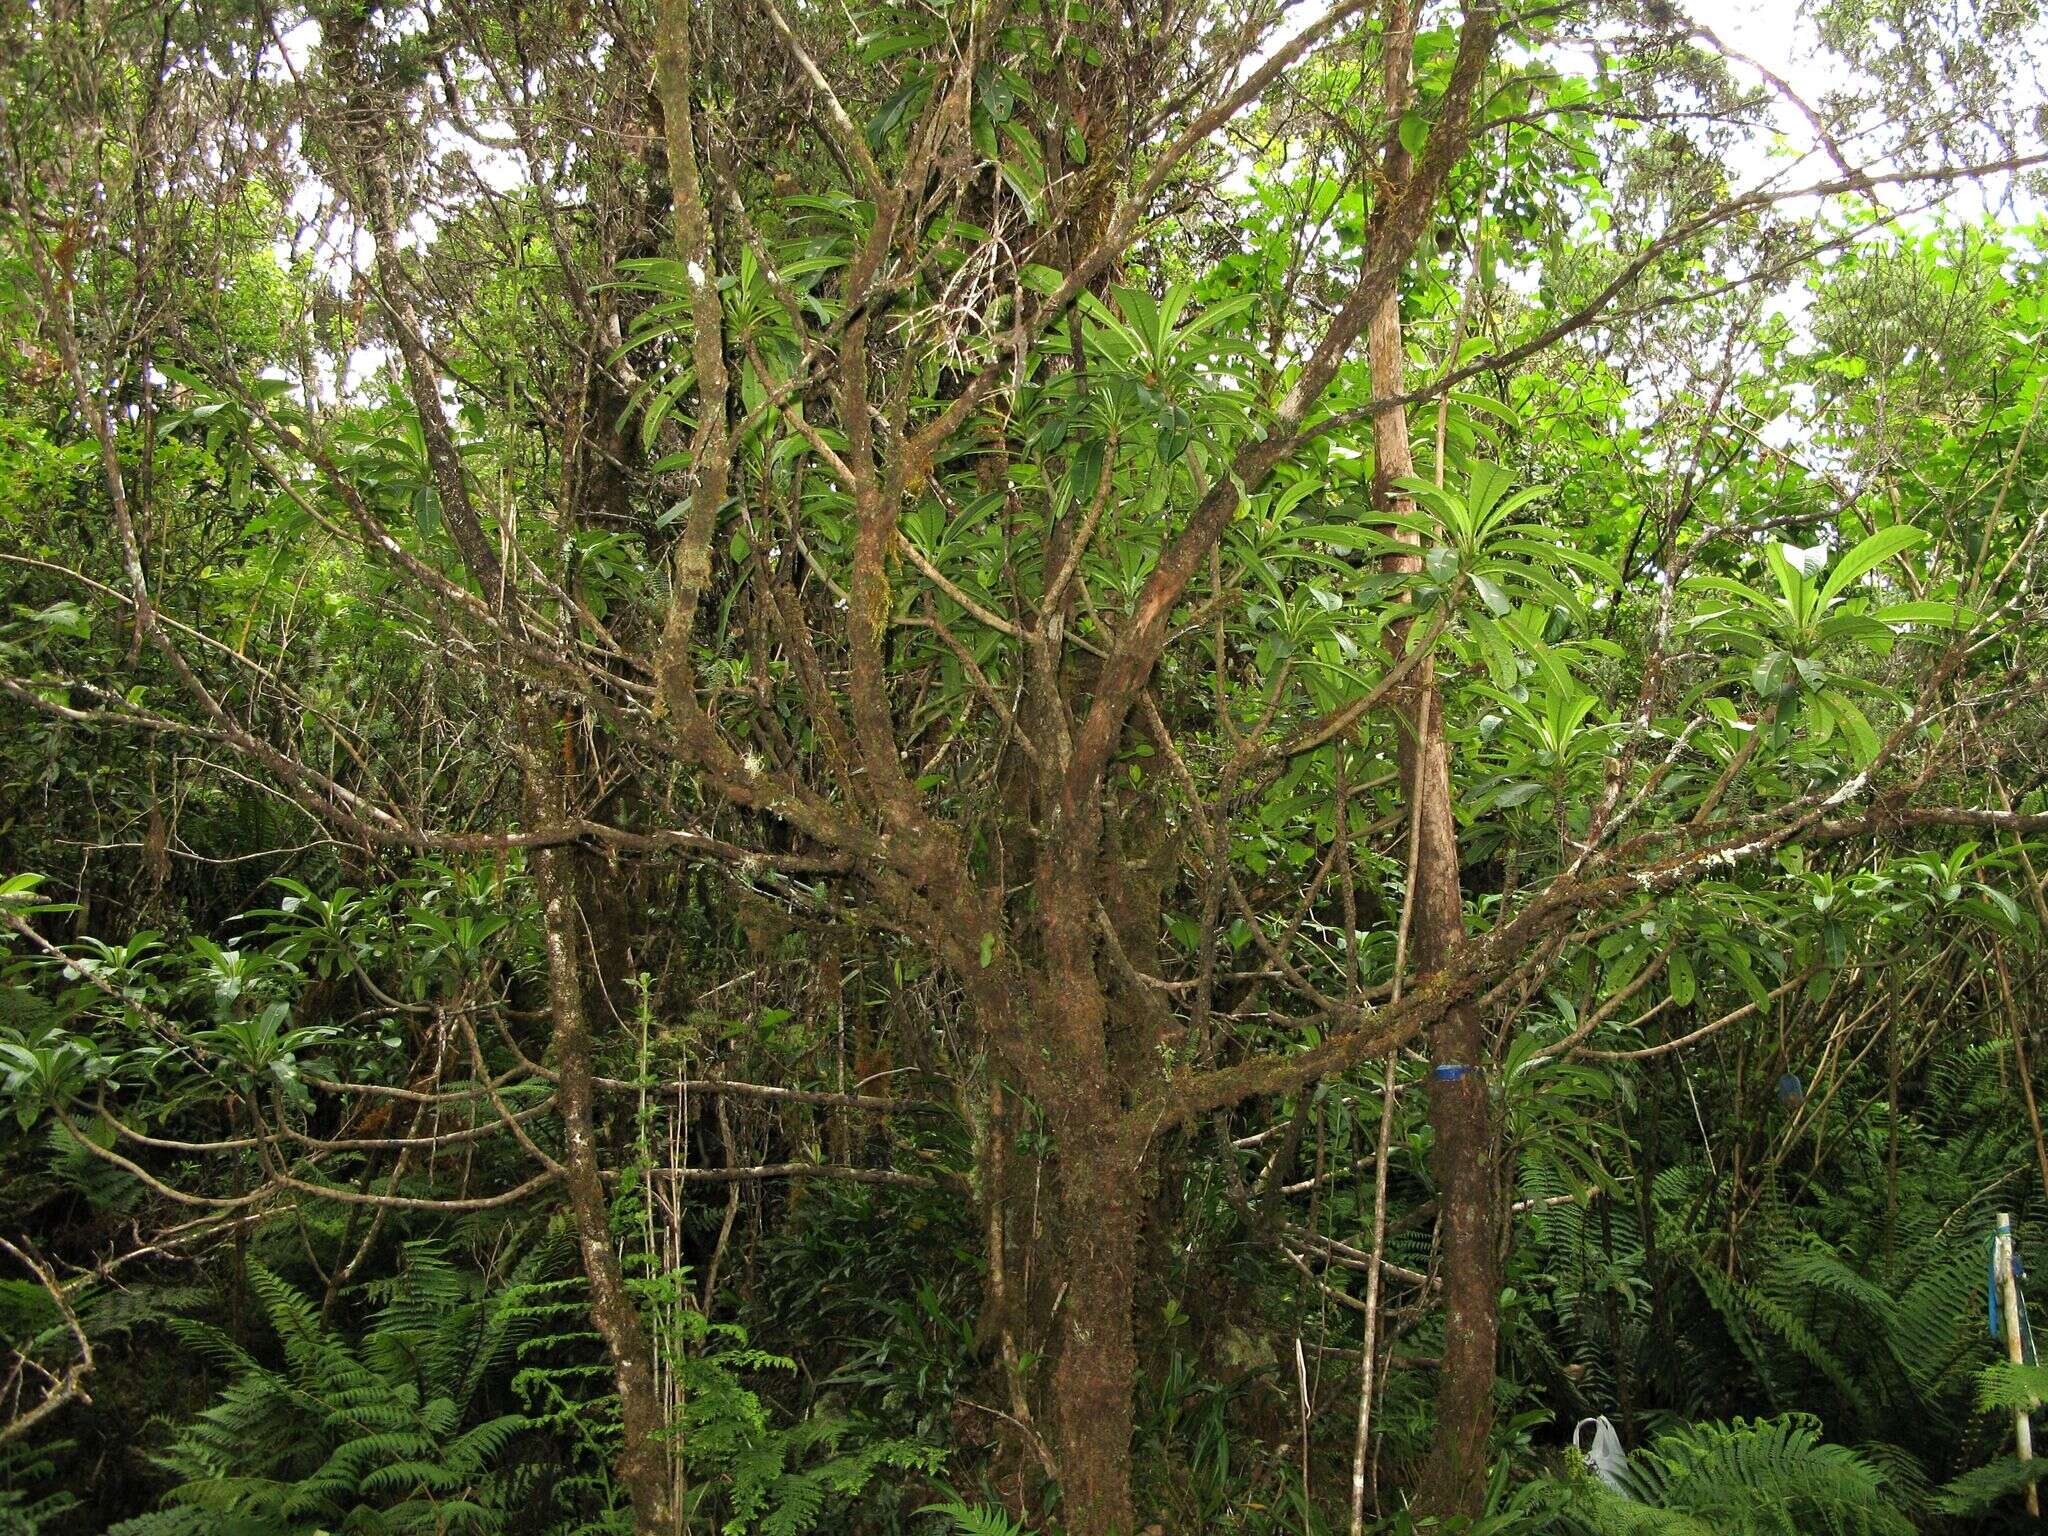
(2006, 1386)
(21, 1515)
(565, 1390)
(975, 1519)
(749, 1473)
(365, 1436)
(777, 1480)
(1981, 1487)
(1773, 1477)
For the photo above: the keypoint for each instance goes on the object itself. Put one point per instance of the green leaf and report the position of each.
(1808, 560)
(1949, 615)
(1772, 676)
(1684, 984)
(66, 617)
(1855, 725)
(1490, 593)
(1084, 470)
(21, 887)
(1867, 556)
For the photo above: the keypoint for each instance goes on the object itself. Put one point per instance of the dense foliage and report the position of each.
(994, 766)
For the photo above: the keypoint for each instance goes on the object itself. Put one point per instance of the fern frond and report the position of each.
(2008, 1386)
(1981, 1487)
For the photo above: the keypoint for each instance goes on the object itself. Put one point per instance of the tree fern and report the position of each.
(1980, 1488)
(2005, 1385)
(1773, 1477)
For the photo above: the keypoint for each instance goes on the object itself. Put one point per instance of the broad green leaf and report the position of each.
(1679, 973)
(1867, 556)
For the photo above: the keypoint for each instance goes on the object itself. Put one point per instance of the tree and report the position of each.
(847, 391)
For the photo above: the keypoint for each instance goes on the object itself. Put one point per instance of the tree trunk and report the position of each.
(1461, 1113)
(1097, 1200)
(1096, 1366)
(643, 1459)
(1453, 1481)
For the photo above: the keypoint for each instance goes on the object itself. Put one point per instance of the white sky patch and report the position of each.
(363, 365)
(1775, 34)
(299, 42)
(502, 170)
(1781, 38)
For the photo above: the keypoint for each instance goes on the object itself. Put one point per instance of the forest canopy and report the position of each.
(996, 766)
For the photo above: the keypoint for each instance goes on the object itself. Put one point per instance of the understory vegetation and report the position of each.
(1020, 766)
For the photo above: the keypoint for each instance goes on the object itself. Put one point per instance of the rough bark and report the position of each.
(1096, 1363)
(1095, 1360)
